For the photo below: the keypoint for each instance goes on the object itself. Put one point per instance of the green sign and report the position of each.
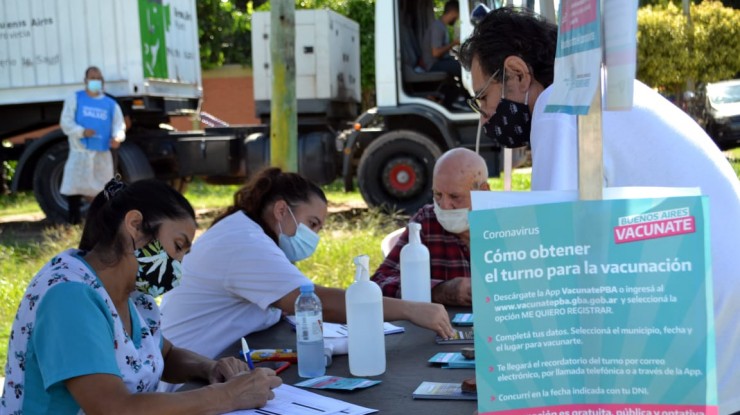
(154, 21)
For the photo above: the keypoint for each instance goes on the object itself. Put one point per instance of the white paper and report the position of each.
(290, 400)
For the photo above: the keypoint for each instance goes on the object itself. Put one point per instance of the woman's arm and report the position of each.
(427, 315)
(182, 365)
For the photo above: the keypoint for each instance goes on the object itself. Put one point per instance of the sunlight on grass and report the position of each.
(18, 203)
(19, 262)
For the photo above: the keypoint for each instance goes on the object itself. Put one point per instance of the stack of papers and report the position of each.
(437, 390)
(452, 361)
(290, 400)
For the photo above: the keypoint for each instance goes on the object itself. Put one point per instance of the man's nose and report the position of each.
(446, 204)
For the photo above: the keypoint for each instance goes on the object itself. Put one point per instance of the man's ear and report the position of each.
(518, 75)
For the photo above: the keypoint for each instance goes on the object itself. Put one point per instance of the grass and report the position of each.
(349, 233)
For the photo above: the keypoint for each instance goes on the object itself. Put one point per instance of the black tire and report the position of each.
(47, 177)
(47, 180)
(396, 169)
(133, 164)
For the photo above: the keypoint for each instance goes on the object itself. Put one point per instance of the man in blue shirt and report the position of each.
(94, 124)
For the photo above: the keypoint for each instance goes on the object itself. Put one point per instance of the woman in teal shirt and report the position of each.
(85, 338)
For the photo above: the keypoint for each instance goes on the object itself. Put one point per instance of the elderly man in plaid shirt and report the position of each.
(444, 230)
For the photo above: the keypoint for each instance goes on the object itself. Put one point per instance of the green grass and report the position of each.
(18, 203)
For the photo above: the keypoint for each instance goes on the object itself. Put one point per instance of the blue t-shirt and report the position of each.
(66, 326)
(67, 341)
(95, 113)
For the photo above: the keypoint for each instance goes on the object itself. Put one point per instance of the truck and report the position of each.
(149, 55)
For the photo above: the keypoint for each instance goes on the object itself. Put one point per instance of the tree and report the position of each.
(224, 33)
(663, 39)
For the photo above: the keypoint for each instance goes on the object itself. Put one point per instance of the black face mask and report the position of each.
(510, 124)
(158, 272)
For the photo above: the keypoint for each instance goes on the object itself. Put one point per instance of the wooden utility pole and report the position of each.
(283, 117)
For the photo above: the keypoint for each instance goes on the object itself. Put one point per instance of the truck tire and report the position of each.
(133, 164)
(396, 169)
(47, 179)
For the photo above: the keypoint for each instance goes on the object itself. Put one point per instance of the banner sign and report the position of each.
(577, 57)
(594, 308)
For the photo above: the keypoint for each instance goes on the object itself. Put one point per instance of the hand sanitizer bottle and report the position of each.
(416, 283)
(366, 337)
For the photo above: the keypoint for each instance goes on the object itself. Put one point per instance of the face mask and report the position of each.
(299, 246)
(452, 220)
(158, 272)
(509, 126)
(94, 85)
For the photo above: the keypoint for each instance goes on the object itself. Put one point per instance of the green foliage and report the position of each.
(716, 42)
(224, 33)
(662, 47)
(669, 52)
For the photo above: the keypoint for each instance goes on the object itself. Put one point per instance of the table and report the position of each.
(406, 367)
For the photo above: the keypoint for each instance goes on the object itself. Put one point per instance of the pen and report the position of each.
(247, 356)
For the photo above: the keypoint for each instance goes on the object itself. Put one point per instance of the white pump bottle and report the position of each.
(416, 283)
(366, 337)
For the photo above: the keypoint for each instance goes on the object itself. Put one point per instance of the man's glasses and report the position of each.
(475, 102)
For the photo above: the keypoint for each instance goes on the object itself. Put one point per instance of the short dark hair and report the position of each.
(92, 68)
(268, 186)
(155, 200)
(451, 5)
(510, 31)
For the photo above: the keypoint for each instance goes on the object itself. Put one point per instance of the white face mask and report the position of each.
(452, 220)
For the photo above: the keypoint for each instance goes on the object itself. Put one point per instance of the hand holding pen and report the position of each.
(247, 355)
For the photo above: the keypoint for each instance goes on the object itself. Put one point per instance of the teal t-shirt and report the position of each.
(73, 336)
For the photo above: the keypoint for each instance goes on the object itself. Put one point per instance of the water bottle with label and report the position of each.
(309, 334)
(366, 338)
(416, 282)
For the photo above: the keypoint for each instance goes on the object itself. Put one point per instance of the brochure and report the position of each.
(336, 382)
(452, 361)
(437, 390)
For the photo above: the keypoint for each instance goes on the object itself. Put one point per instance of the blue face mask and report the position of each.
(299, 246)
(94, 85)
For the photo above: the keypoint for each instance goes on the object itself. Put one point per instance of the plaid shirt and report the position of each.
(448, 254)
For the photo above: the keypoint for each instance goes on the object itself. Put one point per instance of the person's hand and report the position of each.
(250, 390)
(453, 292)
(226, 368)
(89, 132)
(114, 144)
(433, 317)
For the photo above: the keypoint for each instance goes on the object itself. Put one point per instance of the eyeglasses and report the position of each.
(475, 102)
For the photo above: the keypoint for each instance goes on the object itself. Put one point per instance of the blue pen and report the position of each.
(247, 354)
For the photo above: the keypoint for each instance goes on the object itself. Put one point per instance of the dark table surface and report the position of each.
(406, 367)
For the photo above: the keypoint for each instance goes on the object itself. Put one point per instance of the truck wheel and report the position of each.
(47, 179)
(396, 170)
(133, 164)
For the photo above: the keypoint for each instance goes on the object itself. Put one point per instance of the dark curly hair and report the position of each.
(154, 199)
(268, 186)
(511, 31)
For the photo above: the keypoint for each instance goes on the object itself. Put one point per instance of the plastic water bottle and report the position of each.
(309, 333)
(366, 337)
(416, 283)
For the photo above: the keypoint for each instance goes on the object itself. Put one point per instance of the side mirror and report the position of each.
(479, 12)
